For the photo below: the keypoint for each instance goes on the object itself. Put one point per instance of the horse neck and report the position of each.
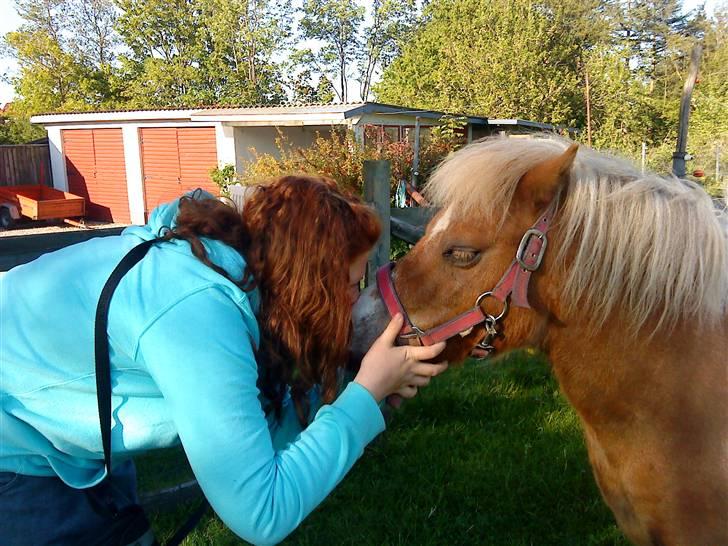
(610, 372)
(611, 376)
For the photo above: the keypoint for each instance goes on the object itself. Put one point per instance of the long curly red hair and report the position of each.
(299, 235)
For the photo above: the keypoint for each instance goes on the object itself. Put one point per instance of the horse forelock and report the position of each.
(651, 248)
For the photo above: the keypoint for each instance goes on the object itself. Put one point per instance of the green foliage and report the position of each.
(17, 129)
(351, 48)
(532, 59)
(488, 454)
(392, 24)
(181, 53)
(708, 134)
(165, 47)
(224, 177)
(398, 248)
(335, 23)
(512, 61)
(193, 52)
(617, 125)
(340, 156)
(64, 50)
(303, 89)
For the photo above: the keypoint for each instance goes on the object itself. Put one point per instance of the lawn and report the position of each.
(489, 454)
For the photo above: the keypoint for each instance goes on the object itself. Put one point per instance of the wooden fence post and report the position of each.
(377, 176)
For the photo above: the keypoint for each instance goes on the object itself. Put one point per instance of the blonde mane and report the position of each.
(651, 246)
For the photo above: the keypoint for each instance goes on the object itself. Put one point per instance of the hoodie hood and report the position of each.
(164, 217)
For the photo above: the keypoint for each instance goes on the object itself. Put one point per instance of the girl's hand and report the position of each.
(387, 369)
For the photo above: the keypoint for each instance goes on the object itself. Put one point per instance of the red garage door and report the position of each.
(96, 170)
(176, 160)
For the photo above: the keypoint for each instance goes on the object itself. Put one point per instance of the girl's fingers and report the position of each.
(389, 336)
(410, 391)
(425, 353)
(420, 380)
(429, 369)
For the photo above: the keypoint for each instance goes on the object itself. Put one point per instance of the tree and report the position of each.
(325, 92)
(64, 50)
(510, 59)
(335, 23)
(190, 52)
(392, 24)
(302, 88)
(708, 135)
(162, 66)
(93, 37)
(55, 72)
(242, 37)
(15, 128)
(621, 110)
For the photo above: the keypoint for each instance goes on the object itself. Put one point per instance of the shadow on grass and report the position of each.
(489, 454)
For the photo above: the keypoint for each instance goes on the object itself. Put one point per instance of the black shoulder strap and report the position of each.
(103, 372)
(101, 344)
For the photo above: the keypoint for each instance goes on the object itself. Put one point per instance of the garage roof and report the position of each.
(258, 114)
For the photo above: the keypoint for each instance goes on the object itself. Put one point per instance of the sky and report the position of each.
(9, 21)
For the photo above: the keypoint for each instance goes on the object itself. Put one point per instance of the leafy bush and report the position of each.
(337, 156)
(341, 156)
(398, 248)
(224, 177)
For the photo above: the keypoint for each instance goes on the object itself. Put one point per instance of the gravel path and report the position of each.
(37, 228)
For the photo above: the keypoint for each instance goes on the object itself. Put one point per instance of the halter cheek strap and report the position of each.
(528, 259)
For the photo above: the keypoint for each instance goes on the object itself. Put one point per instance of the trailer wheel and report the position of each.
(6, 219)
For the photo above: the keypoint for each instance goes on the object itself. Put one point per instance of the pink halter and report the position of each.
(512, 288)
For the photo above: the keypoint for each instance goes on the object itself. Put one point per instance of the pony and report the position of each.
(621, 278)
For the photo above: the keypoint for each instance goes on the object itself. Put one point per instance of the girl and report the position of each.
(228, 336)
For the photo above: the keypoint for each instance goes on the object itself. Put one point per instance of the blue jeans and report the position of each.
(39, 511)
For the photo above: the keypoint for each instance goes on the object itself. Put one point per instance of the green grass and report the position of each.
(489, 454)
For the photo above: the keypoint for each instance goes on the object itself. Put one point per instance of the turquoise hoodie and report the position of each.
(183, 369)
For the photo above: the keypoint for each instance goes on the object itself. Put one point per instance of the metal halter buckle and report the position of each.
(415, 333)
(531, 265)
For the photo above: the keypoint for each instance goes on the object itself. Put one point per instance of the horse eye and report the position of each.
(461, 256)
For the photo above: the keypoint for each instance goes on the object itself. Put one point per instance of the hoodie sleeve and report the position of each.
(200, 356)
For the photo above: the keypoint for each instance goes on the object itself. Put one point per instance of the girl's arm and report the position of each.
(200, 356)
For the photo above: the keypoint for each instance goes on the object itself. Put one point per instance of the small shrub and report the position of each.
(224, 178)
(398, 248)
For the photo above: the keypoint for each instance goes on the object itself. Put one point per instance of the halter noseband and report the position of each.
(512, 288)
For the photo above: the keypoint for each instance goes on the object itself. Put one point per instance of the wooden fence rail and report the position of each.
(25, 164)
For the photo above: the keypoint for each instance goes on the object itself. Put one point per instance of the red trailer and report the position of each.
(38, 202)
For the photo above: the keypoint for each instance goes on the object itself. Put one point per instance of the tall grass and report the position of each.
(489, 454)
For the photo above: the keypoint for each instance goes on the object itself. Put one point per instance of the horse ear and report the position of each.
(540, 184)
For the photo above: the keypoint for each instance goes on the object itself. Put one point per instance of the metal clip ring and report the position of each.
(502, 313)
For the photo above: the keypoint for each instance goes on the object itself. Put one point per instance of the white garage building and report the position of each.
(127, 162)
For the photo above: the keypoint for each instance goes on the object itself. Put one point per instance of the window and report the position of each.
(387, 134)
(409, 134)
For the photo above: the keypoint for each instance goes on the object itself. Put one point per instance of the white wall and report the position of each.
(225, 139)
(58, 162)
(134, 176)
(263, 140)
